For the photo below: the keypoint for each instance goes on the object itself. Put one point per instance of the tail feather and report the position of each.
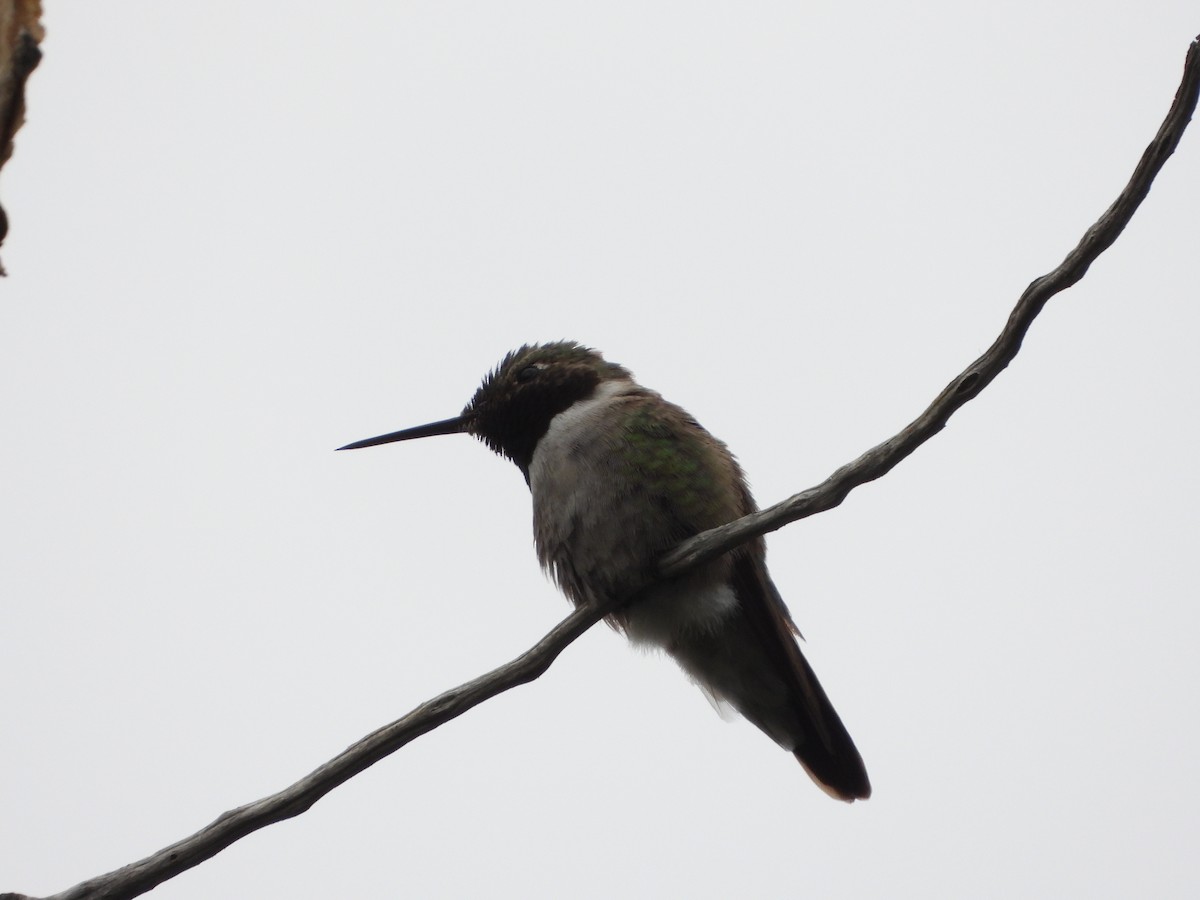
(754, 663)
(825, 749)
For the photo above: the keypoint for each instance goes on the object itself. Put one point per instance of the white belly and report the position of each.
(674, 611)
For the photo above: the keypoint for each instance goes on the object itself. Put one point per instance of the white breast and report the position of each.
(570, 429)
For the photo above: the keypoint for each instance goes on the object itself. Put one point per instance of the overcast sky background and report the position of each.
(244, 234)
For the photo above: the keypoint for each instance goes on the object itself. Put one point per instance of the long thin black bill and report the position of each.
(446, 426)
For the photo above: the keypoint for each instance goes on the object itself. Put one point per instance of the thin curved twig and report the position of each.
(882, 458)
(137, 878)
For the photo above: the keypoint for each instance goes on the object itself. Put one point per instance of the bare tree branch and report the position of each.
(880, 459)
(20, 33)
(139, 877)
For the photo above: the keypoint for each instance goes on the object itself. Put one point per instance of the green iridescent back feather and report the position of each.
(691, 472)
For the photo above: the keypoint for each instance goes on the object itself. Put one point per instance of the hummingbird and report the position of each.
(619, 476)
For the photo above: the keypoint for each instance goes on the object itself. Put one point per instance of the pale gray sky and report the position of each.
(245, 234)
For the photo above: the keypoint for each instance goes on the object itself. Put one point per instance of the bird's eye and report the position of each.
(528, 373)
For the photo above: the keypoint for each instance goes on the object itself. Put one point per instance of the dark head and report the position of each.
(513, 407)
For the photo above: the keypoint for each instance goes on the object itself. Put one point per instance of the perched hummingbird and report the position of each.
(619, 476)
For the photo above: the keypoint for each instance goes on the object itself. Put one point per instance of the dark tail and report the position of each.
(825, 748)
(788, 702)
